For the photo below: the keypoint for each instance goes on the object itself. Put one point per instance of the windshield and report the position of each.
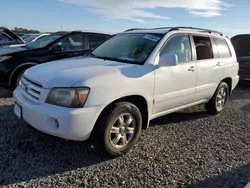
(24, 36)
(128, 47)
(44, 41)
(29, 38)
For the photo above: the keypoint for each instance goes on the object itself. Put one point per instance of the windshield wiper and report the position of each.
(90, 55)
(112, 59)
(98, 57)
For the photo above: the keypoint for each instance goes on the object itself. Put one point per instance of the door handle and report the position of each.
(192, 68)
(218, 64)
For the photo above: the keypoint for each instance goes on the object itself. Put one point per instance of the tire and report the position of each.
(219, 99)
(118, 133)
(18, 78)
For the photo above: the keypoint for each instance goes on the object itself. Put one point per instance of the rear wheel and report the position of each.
(120, 129)
(219, 99)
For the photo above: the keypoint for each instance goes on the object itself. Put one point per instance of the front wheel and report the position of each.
(120, 129)
(219, 99)
(18, 78)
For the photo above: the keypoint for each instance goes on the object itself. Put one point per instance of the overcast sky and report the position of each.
(229, 16)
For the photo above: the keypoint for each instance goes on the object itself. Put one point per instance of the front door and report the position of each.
(72, 46)
(175, 85)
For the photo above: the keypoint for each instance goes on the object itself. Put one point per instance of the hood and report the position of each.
(82, 71)
(11, 34)
(10, 50)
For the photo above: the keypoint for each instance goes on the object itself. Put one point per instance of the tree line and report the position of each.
(25, 31)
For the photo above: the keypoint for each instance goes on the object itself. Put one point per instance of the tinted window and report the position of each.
(222, 48)
(241, 45)
(72, 42)
(179, 45)
(95, 40)
(203, 47)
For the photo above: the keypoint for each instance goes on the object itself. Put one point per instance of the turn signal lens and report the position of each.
(3, 58)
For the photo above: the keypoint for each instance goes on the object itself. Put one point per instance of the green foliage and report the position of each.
(25, 31)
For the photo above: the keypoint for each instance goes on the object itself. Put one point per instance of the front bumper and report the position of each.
(67, 123)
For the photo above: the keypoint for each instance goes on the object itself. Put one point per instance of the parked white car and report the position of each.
(132, 78)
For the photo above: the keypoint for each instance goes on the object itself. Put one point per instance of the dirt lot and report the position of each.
(186, 149)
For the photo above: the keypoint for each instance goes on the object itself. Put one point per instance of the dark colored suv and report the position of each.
(241, 44)
(60, 45)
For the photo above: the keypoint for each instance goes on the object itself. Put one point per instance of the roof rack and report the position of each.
(194, 28)
(132, 29)
(178, 28)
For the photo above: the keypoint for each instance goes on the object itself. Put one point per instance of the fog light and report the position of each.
(56, 124)
(53, 124)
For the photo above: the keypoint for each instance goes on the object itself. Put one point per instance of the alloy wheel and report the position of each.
(122, 131)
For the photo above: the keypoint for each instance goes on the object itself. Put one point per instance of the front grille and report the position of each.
(31, 89)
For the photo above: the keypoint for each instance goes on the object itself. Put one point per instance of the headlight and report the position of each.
(3, 58)
(68, 97)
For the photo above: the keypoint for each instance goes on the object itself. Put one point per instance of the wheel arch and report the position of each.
(229, 82)
(18, 69)
(137, 100)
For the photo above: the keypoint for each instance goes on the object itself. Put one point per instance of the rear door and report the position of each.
(225, 59)
(210, 68)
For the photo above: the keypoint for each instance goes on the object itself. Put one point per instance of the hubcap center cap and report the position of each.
(122, 130)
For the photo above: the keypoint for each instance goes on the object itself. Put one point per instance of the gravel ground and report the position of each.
(185, 149)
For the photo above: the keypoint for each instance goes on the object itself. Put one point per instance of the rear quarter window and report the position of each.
(222, 48)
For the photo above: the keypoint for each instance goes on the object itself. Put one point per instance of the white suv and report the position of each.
(132, 78)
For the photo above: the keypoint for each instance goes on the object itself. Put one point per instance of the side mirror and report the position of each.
(57, 48)
(168, 60)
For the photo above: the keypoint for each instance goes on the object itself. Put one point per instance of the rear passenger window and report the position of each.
(203, 47)
(179, 45)
(222, 48)
(95, 40)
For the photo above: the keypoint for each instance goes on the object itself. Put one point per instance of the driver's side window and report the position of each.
(179, 45)
(73, 42)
